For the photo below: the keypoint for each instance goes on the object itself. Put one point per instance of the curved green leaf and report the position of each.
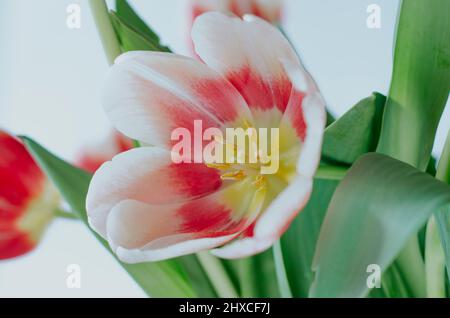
(127, 14)
(356, 132)
(132, 40)
(420, 82)
(443, 217)
(379, 205)
(299, 242)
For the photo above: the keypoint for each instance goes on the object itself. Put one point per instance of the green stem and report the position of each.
(328, 172)
(434, 252)
(412, 267)
(108, 36)
(217, 275)
(66, 215)
(443, 170)
(247, 277)
(434, 261)
(282, 279)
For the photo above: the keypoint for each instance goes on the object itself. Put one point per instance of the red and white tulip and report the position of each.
(150, 208)
(93, 156)
(27, 200)
(269, 10)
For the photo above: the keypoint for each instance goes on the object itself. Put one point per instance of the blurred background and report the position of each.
(50, 86)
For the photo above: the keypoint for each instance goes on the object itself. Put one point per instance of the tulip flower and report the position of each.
(150, 208)
(27, 200)
(270, 10)
(92, 157)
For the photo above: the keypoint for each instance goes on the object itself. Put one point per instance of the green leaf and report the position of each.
(256, 276)
(132, 40)
(299, 242)
(393, 284)
(280, 269)
(443, 220)
(161, 279)
(127, 14)
(375, 210)
(443, 217)
(420, 82)
(197, 276)
(356, 132)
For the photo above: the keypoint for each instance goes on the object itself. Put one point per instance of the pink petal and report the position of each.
(306, 117)
(269, 10)
(149, 94)
(148, 175)
(140, 232)
(248, 53)
(92, 157)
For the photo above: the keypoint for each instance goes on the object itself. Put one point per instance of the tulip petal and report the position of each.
(27, 200)
(273, 222)
(149, 94)
(315, 118)
(304, 121)
(146, 174)
(93, 156)
(14, 243)
(249, 53)
(269, 10)
(21, 179)
(142, 232)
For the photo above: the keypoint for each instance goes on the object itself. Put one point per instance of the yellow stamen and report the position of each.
(260, 182)
(247, 124)
(233, 176)
(219, 166)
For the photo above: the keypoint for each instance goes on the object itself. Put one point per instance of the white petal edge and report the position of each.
(315, 118)
(141, 85)
(167, 247)
(124, 169)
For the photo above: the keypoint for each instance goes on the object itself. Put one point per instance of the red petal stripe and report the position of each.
(195, 179)
(14, 243)
(208, 219)
(21, 180)
(260, 93)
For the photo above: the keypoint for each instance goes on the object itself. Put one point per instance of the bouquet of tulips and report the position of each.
(227, 176)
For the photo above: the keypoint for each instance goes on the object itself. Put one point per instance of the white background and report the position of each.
(50, 85)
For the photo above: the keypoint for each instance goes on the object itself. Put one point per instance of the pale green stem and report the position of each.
(108, 36)
(443, 170)
(413, 267)
(328, 172)
(282, 279)
(247, 277)
(434, 252)
(434, 261)
(217, 275)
